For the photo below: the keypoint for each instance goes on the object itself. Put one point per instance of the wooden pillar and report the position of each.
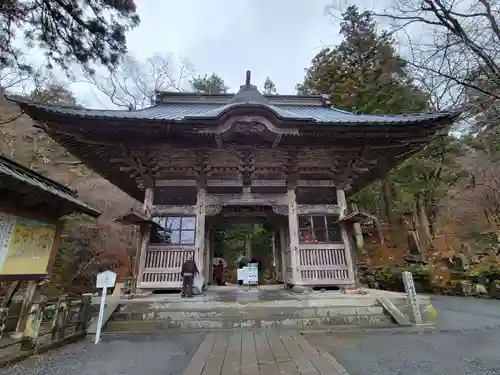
(200, 229)
(145, 232)
(293, 228)
(207, 254)
(341, 202)
(283, 246)
(345, 236)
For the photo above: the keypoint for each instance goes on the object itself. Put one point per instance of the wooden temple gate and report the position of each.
(303, 260)
(190, 156)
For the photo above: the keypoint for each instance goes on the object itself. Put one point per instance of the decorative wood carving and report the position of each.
(140, 164)
(257, 124)
(249, 127)
(203, 167)
(246, 166)
(280, 210)
(290, 167)
(212, 210)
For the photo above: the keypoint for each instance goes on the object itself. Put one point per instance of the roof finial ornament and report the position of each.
(249, 75)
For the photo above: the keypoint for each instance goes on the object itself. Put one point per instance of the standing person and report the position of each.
(219, 272)
(188, 272)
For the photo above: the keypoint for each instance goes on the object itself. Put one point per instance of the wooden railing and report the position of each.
(163, 266)
(47, 325)
(324, 265)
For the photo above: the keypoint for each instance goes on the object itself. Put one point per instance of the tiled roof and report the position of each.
(13, 170)
(194, 111)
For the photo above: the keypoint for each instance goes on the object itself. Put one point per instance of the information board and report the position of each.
(241, 274)
(106, 279)
(253, 273)
(25, 246)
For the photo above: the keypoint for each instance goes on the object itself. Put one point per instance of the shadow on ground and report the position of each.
(465, 342)
(143, 354)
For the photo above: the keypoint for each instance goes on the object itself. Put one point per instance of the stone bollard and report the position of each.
(32, 329)
(84, 313)
(60, 318)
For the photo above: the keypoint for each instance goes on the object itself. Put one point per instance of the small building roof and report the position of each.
(11, 171)
(133, 217)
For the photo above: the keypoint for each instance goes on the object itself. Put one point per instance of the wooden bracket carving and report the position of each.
(141, 165)
(353, 167)
(291, 168)
(203, 167)
(212, 210)
(246, 166)
(280, 210)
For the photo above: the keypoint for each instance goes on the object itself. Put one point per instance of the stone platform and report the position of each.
(232, 308)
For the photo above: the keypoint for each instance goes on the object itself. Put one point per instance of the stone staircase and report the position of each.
(241, 309)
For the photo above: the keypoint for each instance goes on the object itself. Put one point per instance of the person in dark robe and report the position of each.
(188, 272)
(219, 272)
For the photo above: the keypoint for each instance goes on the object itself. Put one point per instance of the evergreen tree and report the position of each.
(363, 72)
(213, 84)
(91, 31)
(269, 87)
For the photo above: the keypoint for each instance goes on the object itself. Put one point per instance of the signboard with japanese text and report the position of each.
(25, 246)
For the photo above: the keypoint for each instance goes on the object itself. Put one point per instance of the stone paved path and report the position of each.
(260, 353)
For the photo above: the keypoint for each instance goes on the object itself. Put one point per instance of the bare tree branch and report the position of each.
(134, 84)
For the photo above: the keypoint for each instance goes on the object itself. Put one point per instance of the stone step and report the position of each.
(373, 320)
(206, 304)
(137, 314)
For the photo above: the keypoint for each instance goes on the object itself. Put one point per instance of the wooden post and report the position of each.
(145, 232)
(206, 254)
(200, 229)
(283, 245)
(11, 290)
(345, 237)
(4, 312)
(293, 227)
(358, 233)
(84, 313)
(29, 294)
(138, 245)
(32, 329)
(60, 318)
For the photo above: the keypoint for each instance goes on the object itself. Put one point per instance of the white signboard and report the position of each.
(241, 274)
(105, 280)
(411, 294)
(253, 273)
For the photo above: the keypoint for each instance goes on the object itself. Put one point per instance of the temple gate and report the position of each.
(191, 156)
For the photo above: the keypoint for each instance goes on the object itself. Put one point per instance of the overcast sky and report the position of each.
(271, 38)
(275, 38)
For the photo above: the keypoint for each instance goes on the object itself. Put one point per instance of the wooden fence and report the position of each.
(46, 325)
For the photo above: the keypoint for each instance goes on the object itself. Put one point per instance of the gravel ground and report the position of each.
(165, 354)
(466, 342)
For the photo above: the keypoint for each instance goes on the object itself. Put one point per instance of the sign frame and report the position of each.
(20, 214)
